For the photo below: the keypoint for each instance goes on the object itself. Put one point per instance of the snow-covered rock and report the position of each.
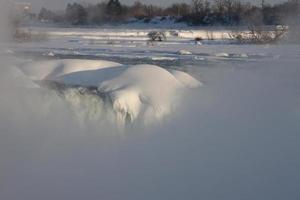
(184, 52)
(225, 55)
(142, 89)
(51, 54)
(146, 92)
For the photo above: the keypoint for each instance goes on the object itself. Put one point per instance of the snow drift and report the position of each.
(146, 92)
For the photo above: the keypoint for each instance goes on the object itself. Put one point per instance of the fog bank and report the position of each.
(230, 141)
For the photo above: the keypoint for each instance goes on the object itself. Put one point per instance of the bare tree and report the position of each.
(157, 36)
(178, 10)
(258, 35)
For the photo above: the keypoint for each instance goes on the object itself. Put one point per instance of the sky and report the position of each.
(60, 4)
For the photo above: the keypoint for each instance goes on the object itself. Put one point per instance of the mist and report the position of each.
(229, 142)
(237, 137)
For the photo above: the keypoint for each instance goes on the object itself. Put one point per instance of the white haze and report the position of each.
(231, 141)
(236, 138)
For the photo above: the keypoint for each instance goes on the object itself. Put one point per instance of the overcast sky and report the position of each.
(60, 4)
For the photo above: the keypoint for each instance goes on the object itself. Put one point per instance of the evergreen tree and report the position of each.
(114, 9)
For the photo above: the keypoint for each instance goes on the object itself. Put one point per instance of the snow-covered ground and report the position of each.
(119, 42)
(236, 137)
(132, 45)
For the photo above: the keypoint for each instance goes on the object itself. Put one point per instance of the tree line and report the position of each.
(198, 12)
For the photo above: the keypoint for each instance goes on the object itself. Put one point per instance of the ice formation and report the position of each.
(134, 92)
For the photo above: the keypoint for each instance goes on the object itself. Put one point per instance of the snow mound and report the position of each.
(224, 55)
(160, 58)
(184, 52)
(51, 54)
(146, 92)
(187, 80)
(52, 69)
(142, 90)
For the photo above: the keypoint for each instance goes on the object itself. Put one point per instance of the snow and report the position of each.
(137, 91)
(130, 46)
(143, 87)
(51, 54)
(52, 70)
(186, 79)
(113, 32)
(111, 43)
(160, 58)
(222, 55)
(184, 52)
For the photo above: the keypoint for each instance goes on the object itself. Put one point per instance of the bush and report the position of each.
(157, 36)
(257, 35)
